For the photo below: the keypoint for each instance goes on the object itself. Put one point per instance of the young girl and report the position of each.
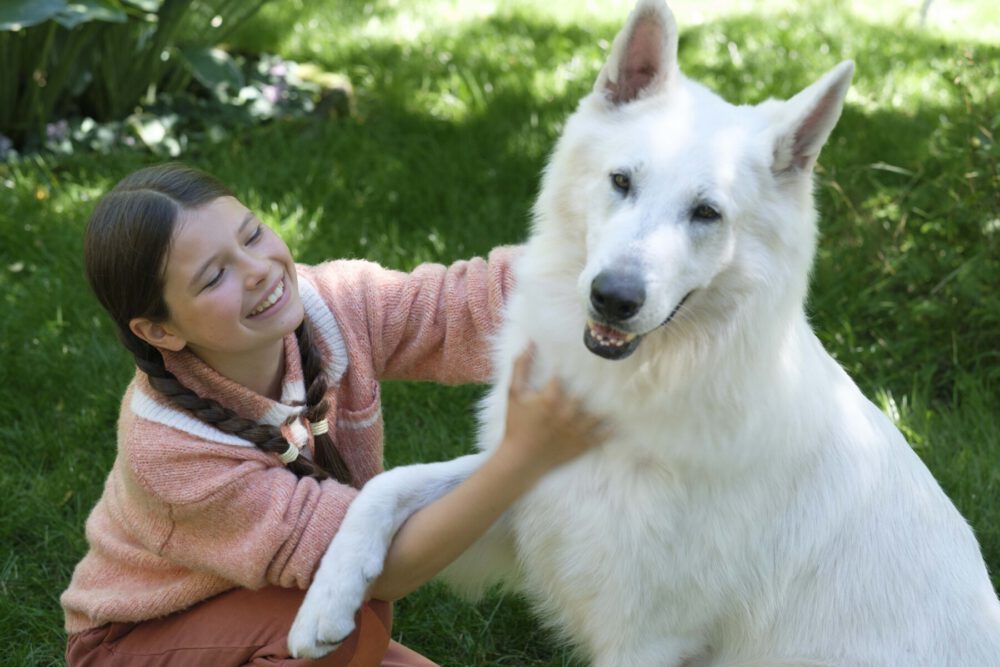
(254, 418)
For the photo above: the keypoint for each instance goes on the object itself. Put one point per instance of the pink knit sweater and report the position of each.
(189, 511)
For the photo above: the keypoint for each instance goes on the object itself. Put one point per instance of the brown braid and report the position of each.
(265, 436)
(327, 456)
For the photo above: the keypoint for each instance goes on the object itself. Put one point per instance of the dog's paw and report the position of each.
(327, 615)
(304, 638)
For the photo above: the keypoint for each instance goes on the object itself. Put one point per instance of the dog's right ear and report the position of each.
(643, 56)
(806, 121)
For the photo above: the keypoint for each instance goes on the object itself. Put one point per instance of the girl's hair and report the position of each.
(125, 250)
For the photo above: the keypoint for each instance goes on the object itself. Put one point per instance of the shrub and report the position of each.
(101, 58)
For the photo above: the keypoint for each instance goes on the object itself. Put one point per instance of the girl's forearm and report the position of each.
(437, 534)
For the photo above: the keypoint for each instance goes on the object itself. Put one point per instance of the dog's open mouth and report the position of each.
(606, 341)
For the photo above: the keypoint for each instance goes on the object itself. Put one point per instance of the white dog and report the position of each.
(753, 507)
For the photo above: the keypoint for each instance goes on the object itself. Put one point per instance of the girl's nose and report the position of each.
(257, 270)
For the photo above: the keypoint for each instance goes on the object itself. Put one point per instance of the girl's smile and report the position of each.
(272, 303)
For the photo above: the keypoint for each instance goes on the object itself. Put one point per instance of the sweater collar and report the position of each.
(149, 404)
(205, 381)
(209, 383)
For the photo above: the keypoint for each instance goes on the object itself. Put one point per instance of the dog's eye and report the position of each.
(705, 213)
(621, 182)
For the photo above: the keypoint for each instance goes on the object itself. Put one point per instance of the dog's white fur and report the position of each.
(753, 507)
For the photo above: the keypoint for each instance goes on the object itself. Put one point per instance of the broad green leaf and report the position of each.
(18, 14)
(214, 68)
(145, 5)
(83, 11)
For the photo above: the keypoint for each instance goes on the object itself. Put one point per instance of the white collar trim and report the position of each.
(324, 327)
(149, 409)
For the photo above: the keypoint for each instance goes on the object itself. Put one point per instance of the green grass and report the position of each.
(458, 105)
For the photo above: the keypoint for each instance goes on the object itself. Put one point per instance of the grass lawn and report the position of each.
(458, 105)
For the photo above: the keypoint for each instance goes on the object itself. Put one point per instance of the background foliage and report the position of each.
(103, 58)
(458, 104)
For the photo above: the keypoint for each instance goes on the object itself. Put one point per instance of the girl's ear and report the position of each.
(157, 334)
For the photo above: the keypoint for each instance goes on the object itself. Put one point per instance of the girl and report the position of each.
(254, 418)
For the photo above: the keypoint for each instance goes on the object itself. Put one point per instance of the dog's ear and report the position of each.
(804, 122)
(643, 57)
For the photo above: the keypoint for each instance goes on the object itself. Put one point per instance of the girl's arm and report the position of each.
(437, 323)
(544, 429)
(433, 323)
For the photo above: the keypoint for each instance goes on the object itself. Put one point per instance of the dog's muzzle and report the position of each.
(616, 297)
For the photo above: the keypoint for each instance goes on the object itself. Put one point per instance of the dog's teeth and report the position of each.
(601, 333)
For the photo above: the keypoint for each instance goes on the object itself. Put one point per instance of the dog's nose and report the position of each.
(617, 296)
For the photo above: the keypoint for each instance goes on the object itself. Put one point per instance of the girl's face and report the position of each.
(230, 286)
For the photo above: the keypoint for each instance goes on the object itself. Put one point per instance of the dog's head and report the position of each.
(680, 204)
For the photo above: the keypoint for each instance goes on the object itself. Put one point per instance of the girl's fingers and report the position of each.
(522, 370)
(561, 406)
(553, 390)
(601, 431)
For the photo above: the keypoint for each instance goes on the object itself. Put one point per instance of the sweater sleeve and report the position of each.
(235, 514)
(435, 323)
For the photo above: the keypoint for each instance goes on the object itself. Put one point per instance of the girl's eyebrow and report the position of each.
(247, 219)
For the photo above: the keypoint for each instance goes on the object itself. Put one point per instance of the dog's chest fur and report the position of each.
(621, 526)
(620, 520)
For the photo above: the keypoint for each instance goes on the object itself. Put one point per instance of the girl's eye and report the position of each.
(215, 281)
(705, 213)
(256, 234)
(621, 182)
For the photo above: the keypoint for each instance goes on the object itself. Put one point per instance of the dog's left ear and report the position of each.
(805, 121)
(643, 57)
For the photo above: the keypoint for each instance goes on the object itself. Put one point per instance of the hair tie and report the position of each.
(320, 427)
(290, 454)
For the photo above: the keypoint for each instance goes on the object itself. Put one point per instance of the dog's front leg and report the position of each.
(357, 552)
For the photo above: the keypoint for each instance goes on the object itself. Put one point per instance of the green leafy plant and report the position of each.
(254, 90)
(102, 58)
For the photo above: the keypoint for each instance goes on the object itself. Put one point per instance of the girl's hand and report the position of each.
(546, 427)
